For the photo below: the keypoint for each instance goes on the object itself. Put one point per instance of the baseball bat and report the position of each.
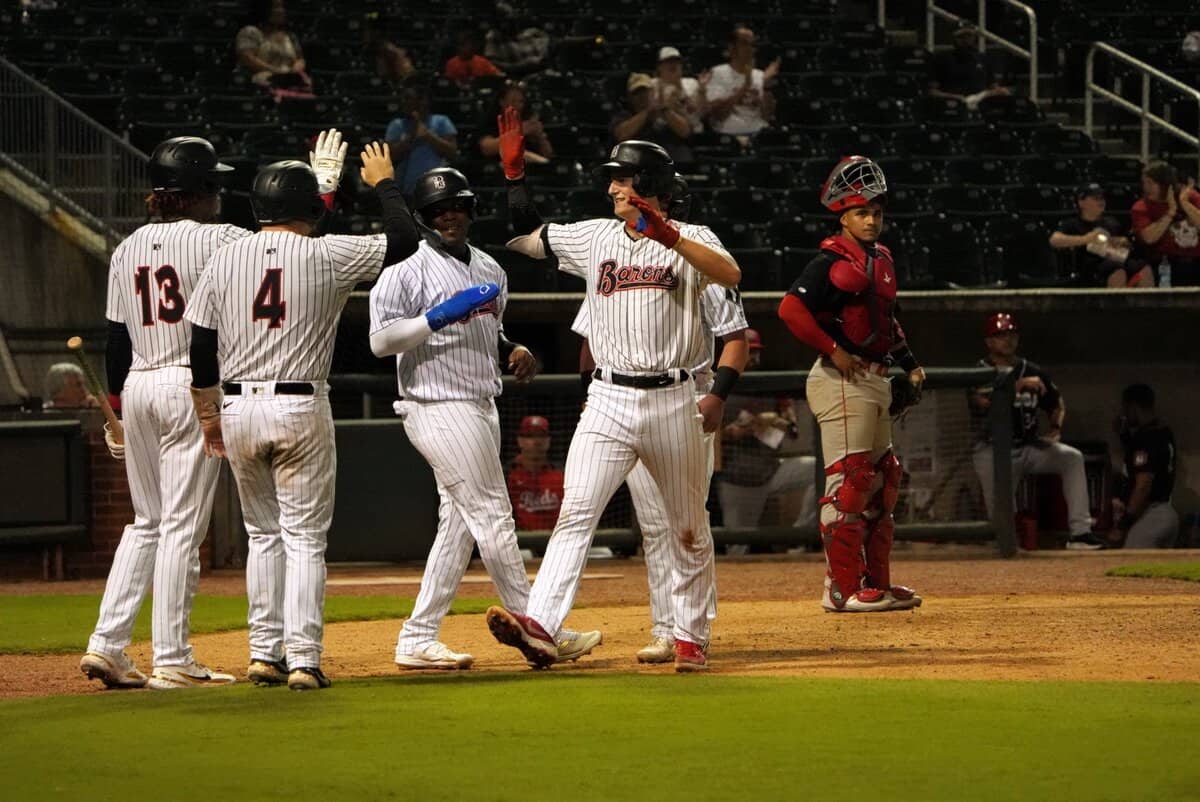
(75, 346)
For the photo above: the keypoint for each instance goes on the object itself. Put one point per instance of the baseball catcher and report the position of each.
(844, 305)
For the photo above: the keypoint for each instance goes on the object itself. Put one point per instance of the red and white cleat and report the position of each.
(689, 657)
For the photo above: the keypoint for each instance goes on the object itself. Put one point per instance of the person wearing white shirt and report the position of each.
(739, 101)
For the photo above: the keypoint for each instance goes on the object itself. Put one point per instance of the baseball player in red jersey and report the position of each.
(535, 485)
(843, 305)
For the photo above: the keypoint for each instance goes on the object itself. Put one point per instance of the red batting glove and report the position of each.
(652, 224)
(512, 143)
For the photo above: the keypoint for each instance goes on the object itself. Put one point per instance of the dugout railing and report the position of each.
(941, 497)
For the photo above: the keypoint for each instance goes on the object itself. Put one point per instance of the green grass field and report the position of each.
(48, 624)
(1186, 571)
(577, 737)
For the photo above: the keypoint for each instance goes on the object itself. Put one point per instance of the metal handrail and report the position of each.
(932, 10)
(1091, 88)
(67, 154)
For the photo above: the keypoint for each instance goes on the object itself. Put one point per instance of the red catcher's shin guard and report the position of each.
(858, 475)
(877, 543)
(843, 551)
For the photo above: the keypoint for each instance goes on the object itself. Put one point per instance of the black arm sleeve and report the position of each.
(505, 346)
(524, 216)
(816, 290)
(205, 372)
(403, 236)
(118, 356)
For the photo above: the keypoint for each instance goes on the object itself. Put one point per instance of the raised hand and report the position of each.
(512, 143)
(652, 224)
(328, 159)
(376, 164)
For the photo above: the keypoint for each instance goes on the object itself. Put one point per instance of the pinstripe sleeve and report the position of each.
(112, 306)
(706, 235)
(356, 258)
(230, 233)
(582, 325)
(722, 310)
(572, 244)
(392, 297)
(202, 307)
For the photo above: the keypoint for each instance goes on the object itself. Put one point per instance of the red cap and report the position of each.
(533, 425)
(999, 323)
(754, 339)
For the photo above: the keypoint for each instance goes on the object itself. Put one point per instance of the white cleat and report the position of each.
(193, 675)
(436, 655)
(660, 650)
(114, 670)
(574, 645)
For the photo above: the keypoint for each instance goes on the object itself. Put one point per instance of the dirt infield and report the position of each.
(1050, 616)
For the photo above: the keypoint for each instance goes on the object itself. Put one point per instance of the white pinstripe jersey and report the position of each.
(643, 298)
(460, 362)
(151, 278)
(275, 298)
(721, 313)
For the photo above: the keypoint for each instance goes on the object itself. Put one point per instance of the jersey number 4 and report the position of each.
(269, 303)
(170, 302)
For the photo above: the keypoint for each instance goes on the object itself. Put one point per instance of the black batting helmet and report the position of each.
(439, 184)
(186, 164)
(286, 191)
(652, 167)
(681, 200)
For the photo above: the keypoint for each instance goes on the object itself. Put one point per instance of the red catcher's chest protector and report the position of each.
(867, 318)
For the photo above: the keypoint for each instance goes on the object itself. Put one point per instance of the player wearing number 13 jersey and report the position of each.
(171, 484)
(268, 306)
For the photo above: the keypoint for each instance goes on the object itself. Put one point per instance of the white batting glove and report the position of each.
(115, 447)
(328, 160)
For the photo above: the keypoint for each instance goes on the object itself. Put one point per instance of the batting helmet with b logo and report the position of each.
(652, 169)
(439, 184)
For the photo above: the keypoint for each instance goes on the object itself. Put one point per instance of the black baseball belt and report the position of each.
(281, 388)
(667, 379)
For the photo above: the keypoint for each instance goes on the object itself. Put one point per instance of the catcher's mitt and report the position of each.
(905, 394)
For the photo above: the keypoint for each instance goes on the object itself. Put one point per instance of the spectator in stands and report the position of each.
(538, 149)
(66, 388)
(1032, 452)
(964, 73)
(419, 141)
(754, 430)
(535, 485)
(1102, 254)
(1166, 219)
(1142, 510)
(514, 47)
(270, 51)
(738, 94)
(684, 95)
(1191, 47)
(390, 61)
(467, 64)
(647, 118)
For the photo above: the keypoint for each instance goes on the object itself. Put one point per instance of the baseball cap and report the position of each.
(534, 424)
(638, 80)
(668, 52)
(754, 339)
(998, 324)
(1088, 190)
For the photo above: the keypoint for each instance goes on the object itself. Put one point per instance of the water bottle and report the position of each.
(1164, 272)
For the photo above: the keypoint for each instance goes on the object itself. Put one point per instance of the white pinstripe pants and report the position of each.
(656, 546)
(171, 484)
(461, 442)
(619, 426)
(284, 458)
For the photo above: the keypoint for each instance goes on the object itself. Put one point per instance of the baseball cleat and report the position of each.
(660, 650)
(1085, 542)
(902, 598)
(436, 655)
(574, 645)
(115, 671)
(866, 600)
(193, 675)
(689, 657)
(308, 678)
(267, 672)
(524, 634)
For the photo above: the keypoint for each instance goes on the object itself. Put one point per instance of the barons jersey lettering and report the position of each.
(461, 361)
(642, 297)
(151, 279)
(275, 298)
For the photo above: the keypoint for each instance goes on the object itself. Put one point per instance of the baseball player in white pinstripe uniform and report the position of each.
(448, 380)
(644, 280)
(722, 316)
(267, 307)
(150, 282)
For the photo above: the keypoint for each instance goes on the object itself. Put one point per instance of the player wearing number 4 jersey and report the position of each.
(268, 307)
(644, 280)
(150, 282)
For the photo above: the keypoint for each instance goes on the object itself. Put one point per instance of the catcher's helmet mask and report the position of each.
(651, 167)
(855, 181)
(286, 191)
(187, 164)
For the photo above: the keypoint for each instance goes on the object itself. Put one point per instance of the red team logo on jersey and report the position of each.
(635, 277)
(490, 308)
